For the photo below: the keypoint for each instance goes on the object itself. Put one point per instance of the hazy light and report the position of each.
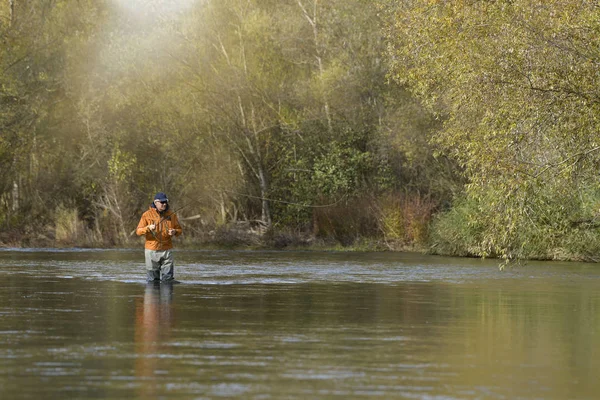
(154, 7)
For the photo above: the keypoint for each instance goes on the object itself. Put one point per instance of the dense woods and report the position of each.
(464, 128)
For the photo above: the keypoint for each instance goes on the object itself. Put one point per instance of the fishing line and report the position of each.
(290, 202)
(252, 197)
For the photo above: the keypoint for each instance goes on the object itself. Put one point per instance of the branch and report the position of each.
(578, 157)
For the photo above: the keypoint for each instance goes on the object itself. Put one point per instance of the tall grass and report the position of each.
(397, 220)
(71, 230)
(403, 220)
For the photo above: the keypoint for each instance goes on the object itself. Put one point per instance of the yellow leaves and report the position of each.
(4, 13)
(120, 165)
(489, 60)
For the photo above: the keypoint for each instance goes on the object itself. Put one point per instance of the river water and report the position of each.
(296, 325)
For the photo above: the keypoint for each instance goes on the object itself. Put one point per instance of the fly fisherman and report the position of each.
(159, 225)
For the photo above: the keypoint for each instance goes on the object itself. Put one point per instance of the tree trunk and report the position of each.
(11, 11)
(15, 196)
(264, 191)
(312, 20)
(222, 208)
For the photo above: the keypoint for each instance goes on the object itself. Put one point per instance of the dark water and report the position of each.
(272, 325)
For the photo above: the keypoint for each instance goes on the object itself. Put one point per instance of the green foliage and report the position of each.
(305, 116)
(338, 171)
(120, 165)
(270, 111)
(513, 83)
(557, 223)
(37, 146)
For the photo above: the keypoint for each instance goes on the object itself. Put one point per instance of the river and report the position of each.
(296, 325)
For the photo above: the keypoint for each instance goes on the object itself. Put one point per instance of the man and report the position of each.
(159, 225)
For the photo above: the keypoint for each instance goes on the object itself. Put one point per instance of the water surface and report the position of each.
(296, 325)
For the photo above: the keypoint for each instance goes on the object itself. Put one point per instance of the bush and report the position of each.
(541, 223)
(404, 219)
(346, 221)
(458, 232)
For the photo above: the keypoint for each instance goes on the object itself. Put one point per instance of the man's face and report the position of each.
(160, 206)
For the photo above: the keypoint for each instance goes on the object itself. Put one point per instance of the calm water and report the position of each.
(274, 325)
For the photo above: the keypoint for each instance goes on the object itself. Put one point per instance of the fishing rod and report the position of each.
(162, 219)
(176, 211)
(168, 217)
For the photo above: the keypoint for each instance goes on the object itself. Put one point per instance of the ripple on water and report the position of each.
(204, 345)
(267, 268)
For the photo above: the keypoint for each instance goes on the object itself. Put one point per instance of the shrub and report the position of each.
(404, 219)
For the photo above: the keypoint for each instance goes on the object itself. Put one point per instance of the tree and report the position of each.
(516, 85)
(253, 110)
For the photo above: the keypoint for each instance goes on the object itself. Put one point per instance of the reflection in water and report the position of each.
(153, 322)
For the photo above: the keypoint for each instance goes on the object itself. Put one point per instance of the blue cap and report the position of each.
(160, 196)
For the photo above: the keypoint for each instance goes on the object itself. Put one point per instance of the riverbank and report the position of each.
(223, 238)
(445, 237)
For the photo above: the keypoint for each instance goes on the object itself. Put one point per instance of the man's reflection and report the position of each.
(153, 322)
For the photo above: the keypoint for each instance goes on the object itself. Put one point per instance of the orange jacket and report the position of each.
(159, 239)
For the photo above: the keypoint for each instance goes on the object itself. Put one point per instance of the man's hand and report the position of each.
(172, 232)
(152, 227)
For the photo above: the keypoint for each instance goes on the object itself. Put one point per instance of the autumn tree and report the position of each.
(516, 86)
(35, 146)
(270, 112)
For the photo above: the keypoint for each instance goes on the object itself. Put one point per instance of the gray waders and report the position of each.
(159, 265)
